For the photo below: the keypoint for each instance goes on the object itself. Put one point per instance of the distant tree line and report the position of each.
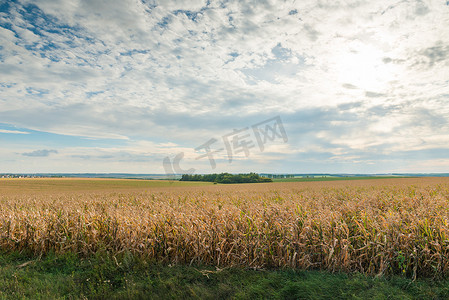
(226, 178)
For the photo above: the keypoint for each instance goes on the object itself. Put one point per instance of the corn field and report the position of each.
(376, 227)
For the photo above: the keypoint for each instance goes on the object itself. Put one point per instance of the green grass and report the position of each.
(330, 178)
(100, 277)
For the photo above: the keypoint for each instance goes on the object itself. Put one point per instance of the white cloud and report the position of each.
(13, 131)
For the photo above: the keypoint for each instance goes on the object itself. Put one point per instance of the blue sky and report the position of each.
(117, 86)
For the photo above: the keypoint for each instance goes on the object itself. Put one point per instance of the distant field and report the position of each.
(333, 178)
(61, 185)
(57, 185)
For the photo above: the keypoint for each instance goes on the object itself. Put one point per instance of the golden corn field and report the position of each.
(376, 227)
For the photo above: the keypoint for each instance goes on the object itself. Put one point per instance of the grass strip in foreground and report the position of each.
(68, 276)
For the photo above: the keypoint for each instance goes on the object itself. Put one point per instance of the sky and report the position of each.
(127, 86)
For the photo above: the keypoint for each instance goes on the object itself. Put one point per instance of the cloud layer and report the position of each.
(361, 86)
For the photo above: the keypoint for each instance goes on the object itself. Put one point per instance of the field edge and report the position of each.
(100, 276)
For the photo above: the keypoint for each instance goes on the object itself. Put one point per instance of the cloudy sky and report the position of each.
(119, 86)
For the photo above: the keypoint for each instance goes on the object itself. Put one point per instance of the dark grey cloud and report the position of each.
(312, 33)
(40, 153)
(435, 54)
(427, 57)
(421, 9)
(87, 157)
(349, 86)
(374, 94)
(388, 60)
